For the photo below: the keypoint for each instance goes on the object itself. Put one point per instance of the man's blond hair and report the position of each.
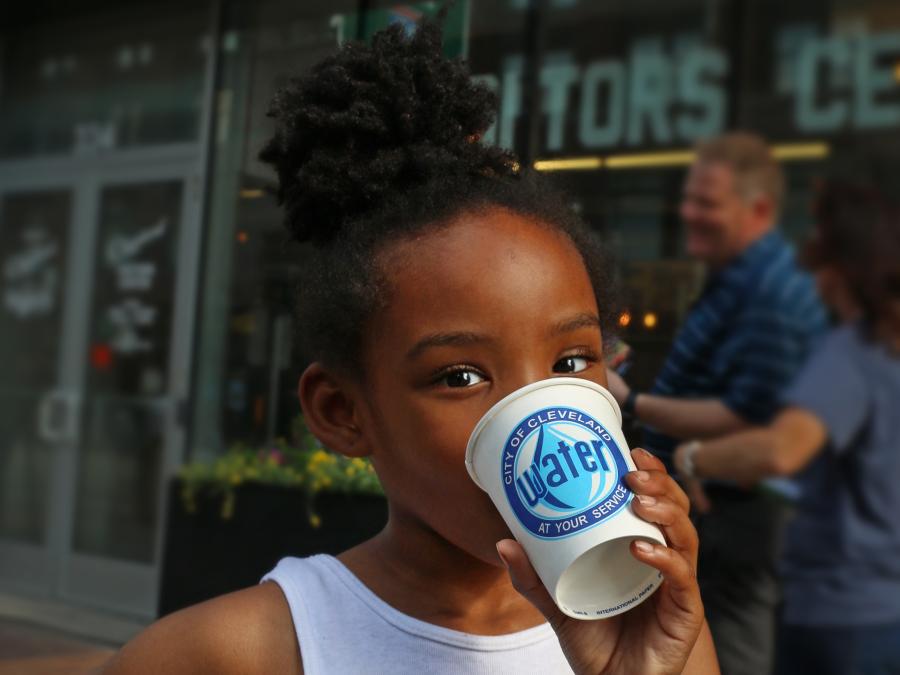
(749, 156)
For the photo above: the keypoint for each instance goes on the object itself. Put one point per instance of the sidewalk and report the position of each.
(41, 637)
(26, 649)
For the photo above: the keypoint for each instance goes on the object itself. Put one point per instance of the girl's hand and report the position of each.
(658, 635)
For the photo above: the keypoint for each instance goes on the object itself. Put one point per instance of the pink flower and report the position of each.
(278, 456)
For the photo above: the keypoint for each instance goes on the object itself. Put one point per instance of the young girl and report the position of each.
(443, 279)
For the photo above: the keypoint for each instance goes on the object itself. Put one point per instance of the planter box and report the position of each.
(206, 556)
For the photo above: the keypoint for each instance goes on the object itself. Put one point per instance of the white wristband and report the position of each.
(687, 458)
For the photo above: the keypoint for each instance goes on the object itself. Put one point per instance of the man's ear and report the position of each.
(764, 210)
(330, 410)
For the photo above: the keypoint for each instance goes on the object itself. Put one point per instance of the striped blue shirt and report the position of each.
(745, 338)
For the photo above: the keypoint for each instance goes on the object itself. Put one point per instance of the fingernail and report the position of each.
(502, 557)
(643, 546)
(646, 500)
(641, 452)
(642, 476)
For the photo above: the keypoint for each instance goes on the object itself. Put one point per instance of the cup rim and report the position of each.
(653, 575)
(504, 402)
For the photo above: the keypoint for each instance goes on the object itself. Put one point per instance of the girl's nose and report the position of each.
(523, 375)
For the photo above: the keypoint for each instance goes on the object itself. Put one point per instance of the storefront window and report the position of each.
(76, 81)
(610, 96)
(247, 369)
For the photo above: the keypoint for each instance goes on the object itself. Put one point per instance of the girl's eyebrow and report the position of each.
(583, 320)
(463, 338)
(460, 338)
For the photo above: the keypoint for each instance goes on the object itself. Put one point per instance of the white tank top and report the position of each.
(343, 627)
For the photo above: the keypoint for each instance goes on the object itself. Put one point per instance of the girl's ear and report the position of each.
(330, 411)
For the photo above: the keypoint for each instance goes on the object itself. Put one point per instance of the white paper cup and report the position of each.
(552, 457)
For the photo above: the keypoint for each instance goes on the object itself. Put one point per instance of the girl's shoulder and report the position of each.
(249, 631)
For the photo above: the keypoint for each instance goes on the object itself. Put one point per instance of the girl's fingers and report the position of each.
(651, 479)
(647, 460)
(671, 517)
(527, 582)
(681, 584)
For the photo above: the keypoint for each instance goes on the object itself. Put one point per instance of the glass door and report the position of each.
(97, 301)
(134, 365)
(38, 416)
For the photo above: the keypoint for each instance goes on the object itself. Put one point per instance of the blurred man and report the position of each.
(740, 346)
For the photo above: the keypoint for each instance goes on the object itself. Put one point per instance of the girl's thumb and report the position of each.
(526, 581)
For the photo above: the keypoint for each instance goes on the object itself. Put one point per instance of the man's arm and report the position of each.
(782, 449)
(678, 417)
(687, 418)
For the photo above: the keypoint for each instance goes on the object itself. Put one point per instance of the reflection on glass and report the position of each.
(131, 321)
(32, 266)
(118, 478)
(99, 81)
(247, 372)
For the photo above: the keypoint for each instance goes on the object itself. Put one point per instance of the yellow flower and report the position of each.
(228, 506)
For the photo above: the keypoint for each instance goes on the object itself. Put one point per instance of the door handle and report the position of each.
(58, 416)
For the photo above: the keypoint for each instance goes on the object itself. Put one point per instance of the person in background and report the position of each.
(840, 428)
(742, 343)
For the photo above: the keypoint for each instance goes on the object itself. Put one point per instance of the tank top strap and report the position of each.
(343, 627)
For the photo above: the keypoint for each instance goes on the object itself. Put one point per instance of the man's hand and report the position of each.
(699, 499)
(692, 486)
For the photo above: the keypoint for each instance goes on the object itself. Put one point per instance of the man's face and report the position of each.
(715, 215)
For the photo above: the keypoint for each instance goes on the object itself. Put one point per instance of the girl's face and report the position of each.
(477, 309)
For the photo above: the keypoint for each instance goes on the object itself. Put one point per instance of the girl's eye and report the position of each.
(570, 364)
(462, 378)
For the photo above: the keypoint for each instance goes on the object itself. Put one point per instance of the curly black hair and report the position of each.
(378, 142)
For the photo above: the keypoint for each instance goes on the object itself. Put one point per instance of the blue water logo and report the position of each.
(562, 473)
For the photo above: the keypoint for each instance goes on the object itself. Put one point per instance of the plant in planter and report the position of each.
(232, 519)
(309, 468)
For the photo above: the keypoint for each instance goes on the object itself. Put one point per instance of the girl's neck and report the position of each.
(421, 574)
